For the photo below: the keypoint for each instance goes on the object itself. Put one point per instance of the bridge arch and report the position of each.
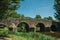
(40, 27)
(23, 27)
(3, 25)
(53, 28)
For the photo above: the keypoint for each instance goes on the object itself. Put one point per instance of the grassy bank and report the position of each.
(26, 36)
(30, 36)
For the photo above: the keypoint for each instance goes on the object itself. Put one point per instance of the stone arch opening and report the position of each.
(10, 29)
(2, 26)
(40, 27)
(23, 27)
(47, 29)
(53, 28)
(32, 29)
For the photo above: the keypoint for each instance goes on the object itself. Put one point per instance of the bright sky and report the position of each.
(32, 7)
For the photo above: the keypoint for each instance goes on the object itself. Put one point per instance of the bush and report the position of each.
(3, 32)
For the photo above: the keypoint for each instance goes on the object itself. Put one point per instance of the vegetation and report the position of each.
(8, 8)
(4, 32)
(57, 8)
(38, 17)
(48, 18)
(45, 18)
(31, 36)
(21, 28)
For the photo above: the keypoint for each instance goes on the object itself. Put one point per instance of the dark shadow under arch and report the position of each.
(10, 29)
(23, 27)
(2, 26)
(41, 27)
(47, 29)
(32, 29)
(53, 28)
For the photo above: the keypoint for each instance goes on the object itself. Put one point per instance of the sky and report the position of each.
(31, 8)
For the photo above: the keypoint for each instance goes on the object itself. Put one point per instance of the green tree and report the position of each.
(22, 16)
(3, 8)
(48, 18)
(37, 17)
(57, 8)
(6, 6)
(13, 14)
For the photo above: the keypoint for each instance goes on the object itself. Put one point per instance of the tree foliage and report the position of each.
(22, 16)
(7, 6)
(37, 17)
(57, 8)
(48, 18)
(13, 14)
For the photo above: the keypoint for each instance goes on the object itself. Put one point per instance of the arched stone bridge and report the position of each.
(45, 25)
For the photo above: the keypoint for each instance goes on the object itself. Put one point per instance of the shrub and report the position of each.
(3, 32)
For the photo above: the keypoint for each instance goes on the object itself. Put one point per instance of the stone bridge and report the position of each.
(31, 24)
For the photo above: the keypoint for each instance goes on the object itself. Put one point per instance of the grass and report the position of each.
(27, 36)
(30, 36)
(3, 31)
